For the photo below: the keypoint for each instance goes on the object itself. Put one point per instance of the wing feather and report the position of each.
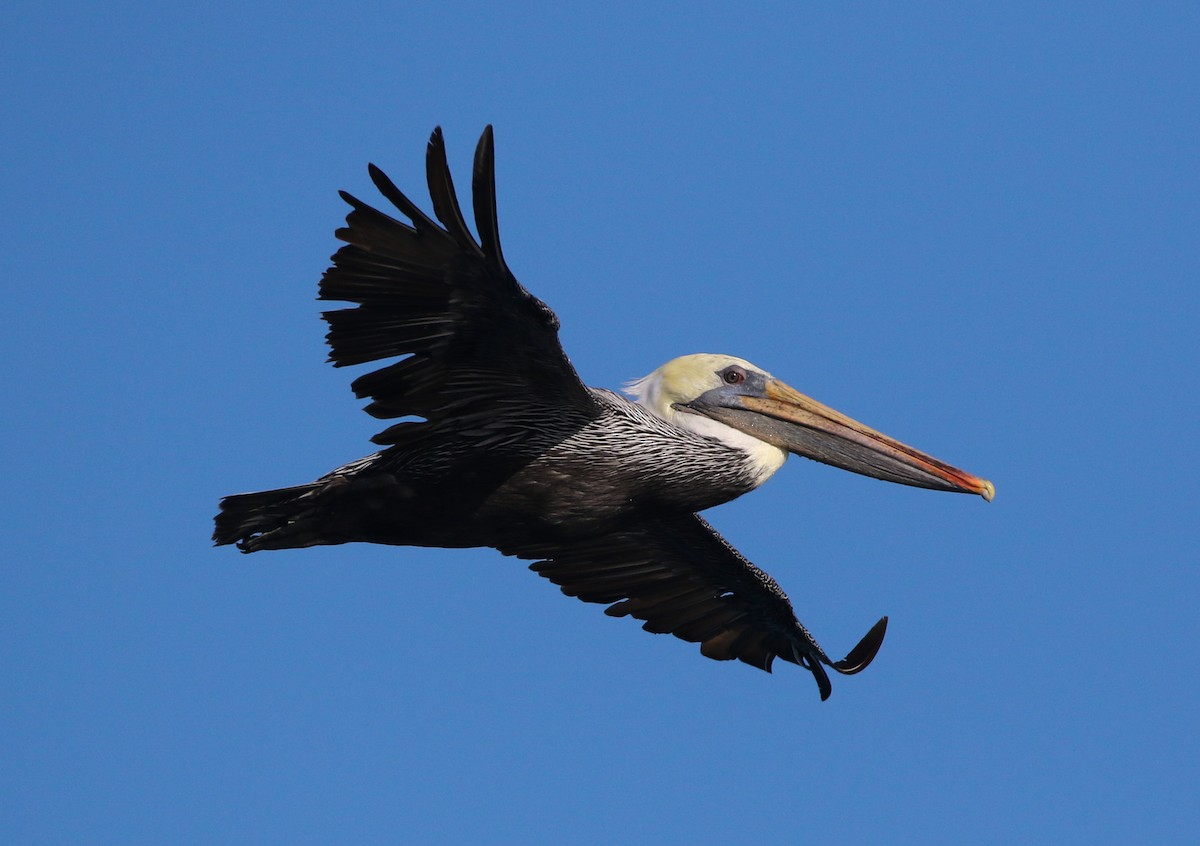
(474, 344)
(678, 576)
(483, 192)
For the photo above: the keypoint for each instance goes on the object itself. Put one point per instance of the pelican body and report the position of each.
(499, 444)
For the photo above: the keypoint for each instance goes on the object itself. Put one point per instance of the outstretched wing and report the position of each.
(679, 576)
(479, 346)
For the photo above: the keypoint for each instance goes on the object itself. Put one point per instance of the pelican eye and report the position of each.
(733, 375)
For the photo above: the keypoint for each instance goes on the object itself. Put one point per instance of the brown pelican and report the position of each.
(500, 444)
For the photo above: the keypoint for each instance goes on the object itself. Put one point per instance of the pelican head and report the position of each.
(744, 406)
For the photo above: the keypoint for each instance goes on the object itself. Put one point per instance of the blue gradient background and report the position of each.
(973, 226)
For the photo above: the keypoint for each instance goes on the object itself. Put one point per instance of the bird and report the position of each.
(494, 441)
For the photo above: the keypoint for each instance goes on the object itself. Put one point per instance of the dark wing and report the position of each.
(679, 576)
(478, 345)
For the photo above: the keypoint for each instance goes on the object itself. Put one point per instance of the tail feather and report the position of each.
(267, 519)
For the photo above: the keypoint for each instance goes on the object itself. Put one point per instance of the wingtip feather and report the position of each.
(483, 197)
(864, 651)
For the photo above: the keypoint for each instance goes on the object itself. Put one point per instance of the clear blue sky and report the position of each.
(973, 226)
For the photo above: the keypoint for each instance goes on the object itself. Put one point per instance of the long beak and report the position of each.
(790, 420)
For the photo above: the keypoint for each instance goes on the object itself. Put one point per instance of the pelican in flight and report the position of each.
(496, 442)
